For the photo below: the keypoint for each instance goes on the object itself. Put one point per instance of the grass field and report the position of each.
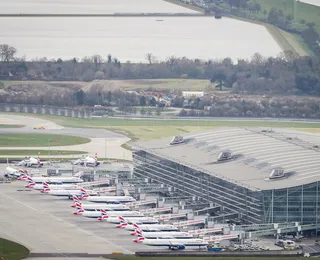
(42, 152)
(34, 140)
(12, 251)
(133, 257)
(144, 84)
(158, 128)
(309, 13)
(7, 83)
(11, 126)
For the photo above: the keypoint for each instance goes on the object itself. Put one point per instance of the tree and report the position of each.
(150, 58)
(109, 58)
(219, 76)
(80, 97)
(7, 52)
(142, 101)
(153, 102)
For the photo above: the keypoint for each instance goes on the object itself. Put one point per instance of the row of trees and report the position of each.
(265, 107)
(286, 74)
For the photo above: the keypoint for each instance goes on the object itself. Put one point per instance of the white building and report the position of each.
(189, 94)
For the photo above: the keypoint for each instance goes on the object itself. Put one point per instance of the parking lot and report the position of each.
(45, 224)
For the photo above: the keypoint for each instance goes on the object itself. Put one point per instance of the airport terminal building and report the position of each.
(266, 176)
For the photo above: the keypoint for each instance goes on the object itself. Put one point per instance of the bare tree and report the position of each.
(150, 58)
(7, 52)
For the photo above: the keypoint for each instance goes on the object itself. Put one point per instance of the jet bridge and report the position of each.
(155, 210)
(201, 232)
(171, 216)
(141, 202)
(182, 224)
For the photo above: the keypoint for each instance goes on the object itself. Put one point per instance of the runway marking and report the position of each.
(85, 231)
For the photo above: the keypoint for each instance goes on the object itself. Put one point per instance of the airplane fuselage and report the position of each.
(153, 228)
(107, 207)
(174, 242)
(110, 199)
(167, 235)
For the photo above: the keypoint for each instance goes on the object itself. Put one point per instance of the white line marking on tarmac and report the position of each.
(85, 231)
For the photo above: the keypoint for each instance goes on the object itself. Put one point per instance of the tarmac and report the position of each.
(106, 144)
(45, 224)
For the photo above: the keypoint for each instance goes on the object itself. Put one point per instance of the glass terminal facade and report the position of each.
(299, 204)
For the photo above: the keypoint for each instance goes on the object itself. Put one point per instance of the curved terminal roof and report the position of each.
(256, 151)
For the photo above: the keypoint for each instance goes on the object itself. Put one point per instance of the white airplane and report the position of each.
(172, 243)
(56, 186)
(110, 199)
(115, 215)
(152, 228)
(51, 180)
(98, 206)
(101, 213)
(31, 162)
(70, 193)
(125, 221)
(88, 161)
(13, 173)
(153, 235)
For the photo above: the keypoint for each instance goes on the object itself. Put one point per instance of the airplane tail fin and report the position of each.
(136, 226)
(38, 159)
(22, 171)
(123, 222)
(103, 217)
(137, 231)
(75, 198)
(76, 204)
(103, 211)
(139, 239)
(79, 211)
(46, 185)
(30, 184)
(45, 190)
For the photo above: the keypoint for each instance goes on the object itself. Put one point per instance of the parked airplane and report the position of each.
(172, 243)
(110, 199)
(97, 206)
(118, 214)
(152, 228)
(13, 173)
(88, 161)
(70, 193)
(153, 235)
(125, 221)
(31, 162)
(57, 186)
(51, 180)
(102, 213)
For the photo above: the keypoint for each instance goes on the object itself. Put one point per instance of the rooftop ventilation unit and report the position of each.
(178, 139)
(224, 156)
(277, 173)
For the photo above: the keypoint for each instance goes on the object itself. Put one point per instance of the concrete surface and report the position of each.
(45, 224)
(106, 144)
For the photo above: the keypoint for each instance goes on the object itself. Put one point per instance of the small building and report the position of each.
(189, 94)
